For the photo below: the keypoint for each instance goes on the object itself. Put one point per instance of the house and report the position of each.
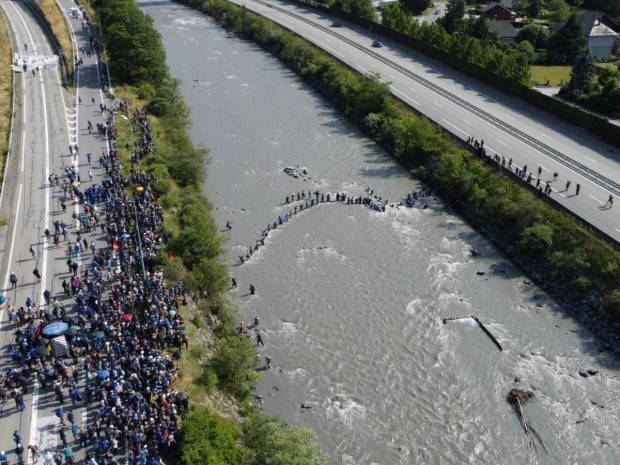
(602, 33)
(498, 12)
(503, 29)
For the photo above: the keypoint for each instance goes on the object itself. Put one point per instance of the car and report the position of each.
(437, 12)
(336, 24)
(377, 44)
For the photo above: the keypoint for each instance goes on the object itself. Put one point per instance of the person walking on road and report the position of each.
(13, 279)
(577, 189)
(33, 252)
(36, 273)
(17, 437)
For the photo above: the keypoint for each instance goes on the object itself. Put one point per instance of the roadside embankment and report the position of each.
(6, 94)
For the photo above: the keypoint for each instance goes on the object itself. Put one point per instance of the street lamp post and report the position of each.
(135, 210)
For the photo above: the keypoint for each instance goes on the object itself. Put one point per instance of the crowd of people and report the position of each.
(120, 318)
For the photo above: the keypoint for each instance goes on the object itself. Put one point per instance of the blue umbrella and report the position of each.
(103, 374)
(55, 328)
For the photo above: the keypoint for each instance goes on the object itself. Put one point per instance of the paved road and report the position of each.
(467, 108)
(47, 120)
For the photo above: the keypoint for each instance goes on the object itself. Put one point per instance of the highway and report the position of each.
(467, 108)
(47, 119)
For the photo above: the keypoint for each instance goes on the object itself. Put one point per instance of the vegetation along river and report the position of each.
(352, 301)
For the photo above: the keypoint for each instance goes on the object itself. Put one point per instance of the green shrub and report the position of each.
(208, 439)
(234, 363)
(208, 379)
(275, 443)
(537, 240)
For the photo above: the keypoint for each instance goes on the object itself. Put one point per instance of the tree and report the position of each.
(362, 8)
(611, 91)
(395, 18)
(560, 11)
(533, 8)
(453, 21)
(276, 443)
(536, 34)
(234, 360)
(582, 75)
(567, 42)
(537, 240)
(209, 440)
(415, 7)
(610, 7)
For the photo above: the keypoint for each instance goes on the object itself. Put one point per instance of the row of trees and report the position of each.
(479, 47)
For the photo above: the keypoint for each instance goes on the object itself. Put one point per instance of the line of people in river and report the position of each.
(312, 199)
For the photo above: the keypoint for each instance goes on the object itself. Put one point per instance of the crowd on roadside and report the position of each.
(123, 332)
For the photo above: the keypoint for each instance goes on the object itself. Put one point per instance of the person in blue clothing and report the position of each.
(17, 437)
(4, 460)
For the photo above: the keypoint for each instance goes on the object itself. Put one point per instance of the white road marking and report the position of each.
(505, 145)
(594, 198)
(465, 121)
(545, 135)
(405, 95)
(438, 104)
(455, 127)
(588, 158)
(363, 69)
(413, 90)
(330, 49)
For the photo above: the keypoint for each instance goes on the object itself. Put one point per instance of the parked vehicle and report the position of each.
(377, 44)
(336, 24)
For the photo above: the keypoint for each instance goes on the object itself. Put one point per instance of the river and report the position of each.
(352, 301)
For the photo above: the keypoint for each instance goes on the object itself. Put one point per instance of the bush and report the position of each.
(234, 363)
(208, 439)
(275, 443)
(537, 240)
(208, 379)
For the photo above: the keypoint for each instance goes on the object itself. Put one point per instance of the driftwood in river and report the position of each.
(517, 397)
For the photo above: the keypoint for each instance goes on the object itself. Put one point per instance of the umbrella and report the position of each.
(73, 331)
(102, 374)
(75, 184)
(139, 188)
(172, 312)
(127, 317)
(99, 335)
(55, 328)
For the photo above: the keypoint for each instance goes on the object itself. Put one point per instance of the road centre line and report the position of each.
(594, 198)
(546, 135)
(465, 121)
(588, 158)
(505, 145)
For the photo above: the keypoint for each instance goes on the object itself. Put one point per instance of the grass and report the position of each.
(60, 31)
(6, 94)
(607, 65)
(550, 75)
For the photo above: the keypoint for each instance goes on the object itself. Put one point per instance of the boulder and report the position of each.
(308, 404)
